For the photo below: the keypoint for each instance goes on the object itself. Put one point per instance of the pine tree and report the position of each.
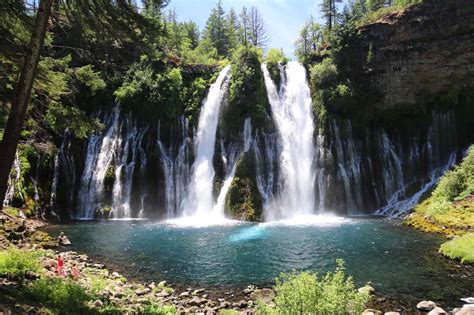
(329, 10)
(258, 35)
(233, 26)
(216, 31)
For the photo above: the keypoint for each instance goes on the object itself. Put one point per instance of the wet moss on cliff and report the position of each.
(243, 201)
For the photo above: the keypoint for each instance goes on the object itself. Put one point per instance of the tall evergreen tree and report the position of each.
(258, 34)
(329, 10)
(216, 31)
(233, 27)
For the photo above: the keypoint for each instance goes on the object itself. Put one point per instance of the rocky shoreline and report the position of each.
(130, 295)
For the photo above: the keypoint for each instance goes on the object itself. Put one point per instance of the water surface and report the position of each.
(398, 261)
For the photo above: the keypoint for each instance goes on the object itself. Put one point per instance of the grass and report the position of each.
(62, 296)
(450, 209)
(460, 248)
(17, 262)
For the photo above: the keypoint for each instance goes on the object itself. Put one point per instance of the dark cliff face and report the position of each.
(424, 51)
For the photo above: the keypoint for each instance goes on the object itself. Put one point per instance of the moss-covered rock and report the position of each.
(243, 200)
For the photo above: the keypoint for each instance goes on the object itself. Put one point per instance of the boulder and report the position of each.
(465, 310)
(391, 313)
(141, 292)
(162, 284)
(185, 294)
(370, 311)
(366, 290)
(437, 311)
(426, 306)
(264, 295)
(195, 301)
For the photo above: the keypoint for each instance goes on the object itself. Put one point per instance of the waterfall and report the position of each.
(231, 163)
(199, 200)
(13, 182)
(292, 113)
(176, 170)
(122, 190)
(99, 156)
(111, 159)
(63, 165)
(265, 148)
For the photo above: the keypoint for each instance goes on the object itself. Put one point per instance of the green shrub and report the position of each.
(17, 262)
(459, 248)
(458, 183)
(158, 309)
(60, 295)
(305, 293)
(323, 74)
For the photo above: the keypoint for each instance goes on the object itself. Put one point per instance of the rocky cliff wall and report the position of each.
(424, 51)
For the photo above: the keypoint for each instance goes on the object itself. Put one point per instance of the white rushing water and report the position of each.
(291, 109)
(199, 202)
(13, 186)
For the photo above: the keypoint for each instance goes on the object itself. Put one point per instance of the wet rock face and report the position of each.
(426, 50)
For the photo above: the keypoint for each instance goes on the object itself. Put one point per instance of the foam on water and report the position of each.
(201, 221)
(310, 220)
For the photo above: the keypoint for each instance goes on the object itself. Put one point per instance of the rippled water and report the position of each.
(396, 260)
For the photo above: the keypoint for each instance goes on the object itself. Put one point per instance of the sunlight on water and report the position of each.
(248, 233)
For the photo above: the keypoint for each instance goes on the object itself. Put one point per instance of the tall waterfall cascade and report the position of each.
(292, 113)
(165, 170)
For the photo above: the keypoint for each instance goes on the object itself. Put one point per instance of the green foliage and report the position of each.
(458, 183)
(450, 209)
(305, 293)
(310, 39)
(62, 117)
(63, 296)
(459, 248)
(247, 79)
(157, 309)
(90, 78)
(275, 58)
(243, 200)
(18, 262)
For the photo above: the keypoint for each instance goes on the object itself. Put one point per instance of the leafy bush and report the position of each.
(274, 58)
(17, 262)
(247, 79)
(458, 183)
(460, 248)
(158, 309)
(62, 296)
(91, 79)
(323, 74)
(305, 293)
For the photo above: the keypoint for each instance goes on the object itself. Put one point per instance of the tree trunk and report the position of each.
(21, 97)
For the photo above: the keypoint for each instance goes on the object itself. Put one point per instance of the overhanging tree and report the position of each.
(22, 95)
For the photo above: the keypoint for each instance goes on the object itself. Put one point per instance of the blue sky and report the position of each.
(283, 18)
